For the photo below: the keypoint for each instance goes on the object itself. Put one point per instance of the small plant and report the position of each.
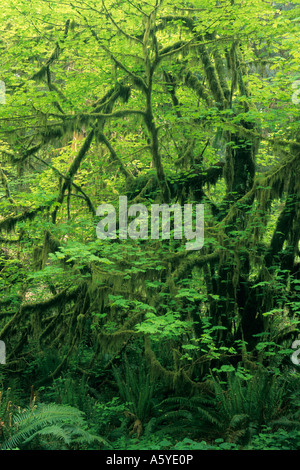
(281, 439)
(136, 390)
(43, 424)
(192, 414)
(244, 406)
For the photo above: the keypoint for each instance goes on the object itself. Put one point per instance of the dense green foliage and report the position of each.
(141, 343)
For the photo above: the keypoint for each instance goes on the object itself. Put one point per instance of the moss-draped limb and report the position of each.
(42, 72)
(212, 77)
(54, 56)
(193, 260)
(50, 245)
(276, 142)
(52, 88)
(72, 171)
(26, 309)
(220, 69)
(175, 379)
(142, 192)
(282, 230)
(154, 145)
(114, 157)
(121, 90)
(85, 118)
(8, 224)
(114, 341)
(51, 326)
(240, 166)
(193, 180)
(4, 181)
(194, 83)
(78, 188)
(171, 88)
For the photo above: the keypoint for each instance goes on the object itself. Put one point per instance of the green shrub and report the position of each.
(47, 425)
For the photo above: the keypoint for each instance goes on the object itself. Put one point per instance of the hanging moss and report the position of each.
(178, 380)
(110, 343)
(212, 77)
(192, 81)
(27, 309)
(9, 223)
(188, 181)
(51, 245)
(37, 257)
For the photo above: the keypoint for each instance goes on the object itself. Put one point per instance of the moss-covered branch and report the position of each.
(114, 157)
(72, 171)
(8, 224)
(26, 309)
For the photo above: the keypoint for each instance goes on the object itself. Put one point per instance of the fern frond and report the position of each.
(57, 432)
(62, 421)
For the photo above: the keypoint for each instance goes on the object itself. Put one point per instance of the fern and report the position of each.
(201, 407)
(135, 389)
(63, 422)
(246, 405)
(56, 431)
(174, 414)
